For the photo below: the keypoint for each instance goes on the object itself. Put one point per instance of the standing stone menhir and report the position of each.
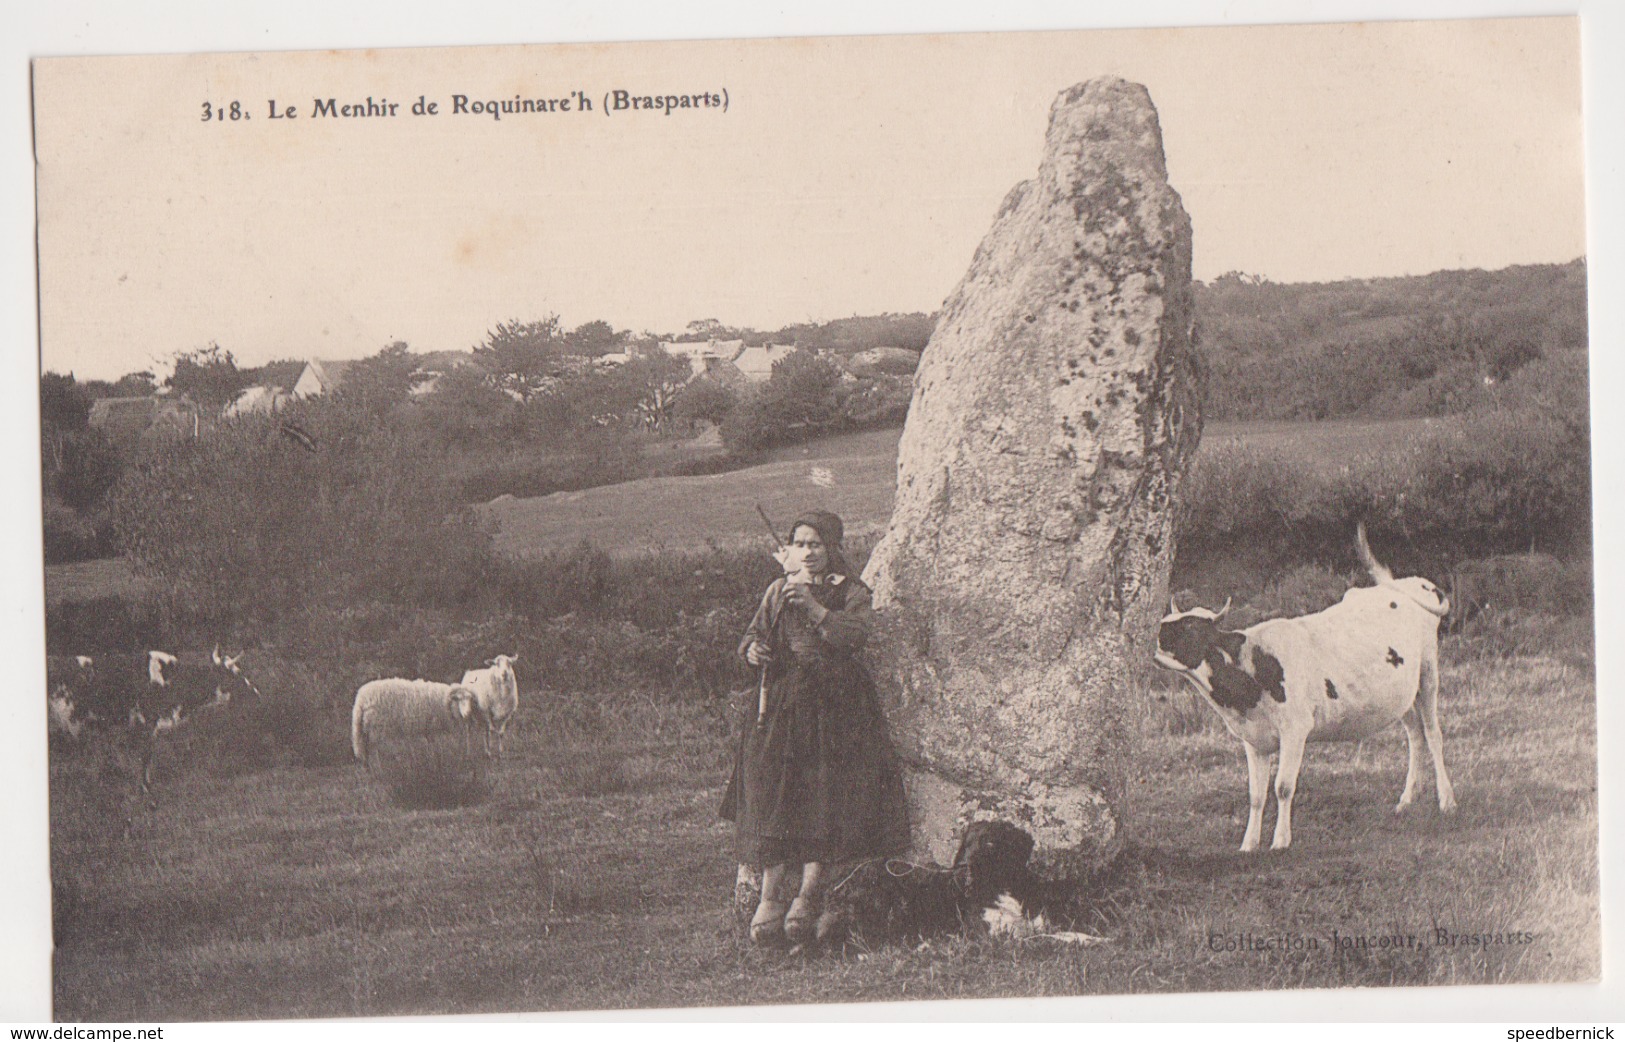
(1026, 563)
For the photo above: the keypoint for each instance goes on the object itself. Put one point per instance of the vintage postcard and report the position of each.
(762, 522)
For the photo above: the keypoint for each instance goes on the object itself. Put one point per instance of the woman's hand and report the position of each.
(799, 595)
(758, 654)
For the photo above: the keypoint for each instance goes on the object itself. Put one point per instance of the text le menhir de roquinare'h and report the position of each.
(491, 108)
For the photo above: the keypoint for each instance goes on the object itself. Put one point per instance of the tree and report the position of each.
(639, 392)
(378, 384)
(64, 405)
(77, 462)
(711, 329)
(208, 376)
(705, 399)
(525, 357)
(594, 338)
(467, 407)
(804, 394)
(130, 385)
(660, 378)
(804, 388)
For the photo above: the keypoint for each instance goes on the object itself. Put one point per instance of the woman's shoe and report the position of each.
(767, 925)
(801, 923)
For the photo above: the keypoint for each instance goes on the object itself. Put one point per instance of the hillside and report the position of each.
(1427, 345)
(719, 510)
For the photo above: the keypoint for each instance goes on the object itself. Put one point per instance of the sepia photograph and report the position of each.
(771, 520)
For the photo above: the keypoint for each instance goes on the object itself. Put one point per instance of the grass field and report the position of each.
(719, 510)
(83, 580)
(596, 876)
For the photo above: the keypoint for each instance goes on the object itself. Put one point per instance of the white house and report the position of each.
(320, 377)
(757, 362)
(703, 356)
(257, 399)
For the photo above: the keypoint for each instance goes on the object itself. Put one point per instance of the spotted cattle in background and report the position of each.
(69, 682)
(152, 693)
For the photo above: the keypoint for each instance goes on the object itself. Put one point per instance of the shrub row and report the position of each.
(1502, 482)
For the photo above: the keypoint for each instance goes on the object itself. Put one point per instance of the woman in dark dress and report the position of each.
(815, 781)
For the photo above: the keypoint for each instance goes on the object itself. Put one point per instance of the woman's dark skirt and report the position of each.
(817, 780)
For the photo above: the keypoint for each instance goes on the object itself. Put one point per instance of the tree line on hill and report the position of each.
(1430, 345)
(534, 410)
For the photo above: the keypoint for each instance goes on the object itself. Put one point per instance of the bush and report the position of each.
(258, 527)
(802, 397)
(292, 721)
(117, 623)
(72, 536)
(1504, 480)
(879, 402)
(575, 580)
(705, 399)
(570, 463)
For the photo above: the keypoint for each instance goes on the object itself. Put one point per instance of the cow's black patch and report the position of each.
(1331, 688)
(1270, 674)
(1233, 688)
(1394, 659)
(1393, 604)
(1231, 642)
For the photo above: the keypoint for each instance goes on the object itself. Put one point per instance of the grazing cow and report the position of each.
(496, 696)
(1368, 661)
(69, 681)
(155, 693)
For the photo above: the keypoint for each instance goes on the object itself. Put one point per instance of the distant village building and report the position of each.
(757, 362)
(703, 356)
(727, 360)
(434, 366)
(320, 377)
(256, 401)
(126, 421)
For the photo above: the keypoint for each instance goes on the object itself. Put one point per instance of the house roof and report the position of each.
(283, 374)
(128, 418)
(104, 411)
(727, 350)
(757, 362)
(445, 361)
(326, 374)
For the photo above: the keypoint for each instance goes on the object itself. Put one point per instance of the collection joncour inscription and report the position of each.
(614, 101)
(1386, 940)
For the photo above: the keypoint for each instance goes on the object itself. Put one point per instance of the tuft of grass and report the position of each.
(433, 773)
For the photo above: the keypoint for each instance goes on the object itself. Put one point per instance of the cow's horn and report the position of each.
(217, 654)
(1173, 603)
(1221, 612)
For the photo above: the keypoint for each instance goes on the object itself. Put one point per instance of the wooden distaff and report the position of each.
(761, 689)
(783, 554)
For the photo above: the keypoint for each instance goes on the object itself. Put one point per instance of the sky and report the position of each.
(846, 176)
(1272, 227)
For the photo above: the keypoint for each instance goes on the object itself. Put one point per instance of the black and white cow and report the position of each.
(1342, 674)
(69, 682)
(151, 693)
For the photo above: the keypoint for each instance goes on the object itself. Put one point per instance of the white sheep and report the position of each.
(496, 696)
(396, 708)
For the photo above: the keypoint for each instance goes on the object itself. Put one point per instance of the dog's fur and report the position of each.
(895, 900)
